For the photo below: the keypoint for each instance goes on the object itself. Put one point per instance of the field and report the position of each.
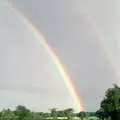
(76, 118)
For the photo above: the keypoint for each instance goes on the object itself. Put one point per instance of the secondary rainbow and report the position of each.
(54, 57)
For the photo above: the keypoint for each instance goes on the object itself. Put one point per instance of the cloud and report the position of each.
(79, 33)
(26, 69)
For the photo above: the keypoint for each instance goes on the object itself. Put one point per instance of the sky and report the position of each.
(85, 36)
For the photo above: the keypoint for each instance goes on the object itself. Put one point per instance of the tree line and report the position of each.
(22, 113)
(109, 110)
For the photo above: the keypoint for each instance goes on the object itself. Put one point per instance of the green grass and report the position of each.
(87, 118)
(91, 118)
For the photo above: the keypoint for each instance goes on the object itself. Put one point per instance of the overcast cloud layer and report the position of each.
(84, 34)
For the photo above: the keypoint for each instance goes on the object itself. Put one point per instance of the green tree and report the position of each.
(100, 114)
(7, 114)
(54, 113)
(111, 103)
(22, 112)
(82, 115)
(33, 116)
(69, 113)
(60, 113)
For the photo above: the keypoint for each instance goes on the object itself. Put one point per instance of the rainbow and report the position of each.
(55, 58)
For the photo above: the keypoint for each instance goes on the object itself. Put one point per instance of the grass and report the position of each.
(87, 118)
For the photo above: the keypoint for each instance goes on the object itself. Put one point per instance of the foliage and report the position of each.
(54, 113)
(7, 114)
(111, 103)
(22, 113)
(82, 115)
(69, 113)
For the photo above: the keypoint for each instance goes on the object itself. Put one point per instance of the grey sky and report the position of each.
(84, 34)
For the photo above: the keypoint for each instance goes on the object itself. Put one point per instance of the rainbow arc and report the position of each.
(54, 57)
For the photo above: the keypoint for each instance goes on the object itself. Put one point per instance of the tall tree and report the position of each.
(111, 103)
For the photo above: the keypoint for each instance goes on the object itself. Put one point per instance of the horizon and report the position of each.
(83, 36)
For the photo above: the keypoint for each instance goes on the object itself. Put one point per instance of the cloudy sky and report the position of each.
(84, 34)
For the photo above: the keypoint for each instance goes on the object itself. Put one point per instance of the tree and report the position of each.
(7, 114)
(82, 115)
(111, 103)
(69, 113)
(34, 116)
(22, 113)
(60, 113)
(54, 113)
(100, 114)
